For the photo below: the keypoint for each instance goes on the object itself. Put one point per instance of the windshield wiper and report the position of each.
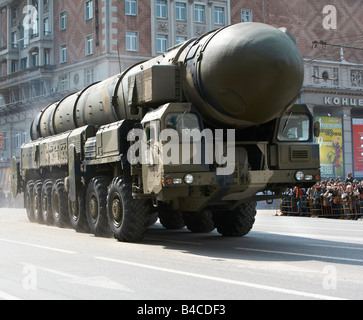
(287, 121)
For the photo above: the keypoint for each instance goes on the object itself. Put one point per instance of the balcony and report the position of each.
(26, 75)
(333, 75)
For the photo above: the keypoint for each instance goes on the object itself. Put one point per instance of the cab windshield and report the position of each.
(294, 127)
(180, 121)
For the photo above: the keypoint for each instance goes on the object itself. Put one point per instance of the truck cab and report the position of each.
(181, 159)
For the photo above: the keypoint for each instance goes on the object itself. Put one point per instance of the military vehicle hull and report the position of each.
(195, 136)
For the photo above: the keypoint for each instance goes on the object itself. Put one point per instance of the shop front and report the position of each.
(340, 114)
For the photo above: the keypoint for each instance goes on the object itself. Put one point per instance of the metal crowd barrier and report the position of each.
(350, 209)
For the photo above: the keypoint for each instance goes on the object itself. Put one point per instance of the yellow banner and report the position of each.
(331, 147)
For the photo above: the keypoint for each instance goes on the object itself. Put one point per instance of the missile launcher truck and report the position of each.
(113, 157)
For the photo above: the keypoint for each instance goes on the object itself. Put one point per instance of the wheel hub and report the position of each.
(93, 208)
(117, 213)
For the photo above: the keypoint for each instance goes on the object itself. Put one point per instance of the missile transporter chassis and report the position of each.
(185, 137)
(81, 179)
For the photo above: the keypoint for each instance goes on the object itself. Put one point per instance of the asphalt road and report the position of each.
(281, 258)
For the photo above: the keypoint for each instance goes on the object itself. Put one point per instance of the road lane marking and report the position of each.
(98, 281)
(301, 254)
(224, 280)
(37, 246)
(307, 227)
(6, 296)
(336, 247)
(330, 238)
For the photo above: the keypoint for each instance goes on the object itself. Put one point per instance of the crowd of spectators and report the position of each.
(330, 197)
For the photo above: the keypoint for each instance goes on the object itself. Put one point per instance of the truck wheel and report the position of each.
(171, 220)
(46, 201)
(129, 218)
(29, 201)
(59, 205)
(77, 213)
(237, 222)
(96, 197)
(37, 201)
(200, 221)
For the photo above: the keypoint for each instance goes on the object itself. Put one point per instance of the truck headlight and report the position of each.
(177, 180)
(299, 176)
(188, 178)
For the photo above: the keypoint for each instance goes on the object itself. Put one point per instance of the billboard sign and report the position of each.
(331, 147)
(357, 125)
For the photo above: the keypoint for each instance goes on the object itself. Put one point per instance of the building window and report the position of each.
(24, 138)
(18, 143)
(14, 41)
(89, 10)
(14, 66)
(180, 11)
(3, 141)
(20, 139)
(180, 40)
(161, 43)
(34, 17)
(46, 27)
(199, 13)
(246, 15)
(23, 63)
(46, 6)
(46, 57)
(63, 53)
(219, 15)
(131, 41)
(63, 83)
(24, 38)
(90, 74)
(161, 9)
(89, 45)
(14, 16)
(131, 7)
(63, 20)
(34, 59)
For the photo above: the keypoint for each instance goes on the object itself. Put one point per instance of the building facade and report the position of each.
(50, 48)
(329, 34)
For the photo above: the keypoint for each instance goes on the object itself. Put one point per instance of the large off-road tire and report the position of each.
(96, 198)
(201, 221)
(171, 220)
(237, 222)
(60, 205)
(37, 201)
(29, 201)
(77, 212)
(46, 202)
(129, 218)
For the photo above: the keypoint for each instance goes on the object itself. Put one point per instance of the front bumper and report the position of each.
(209, 189)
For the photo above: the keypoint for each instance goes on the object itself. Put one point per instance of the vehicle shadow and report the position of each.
(256, 246)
